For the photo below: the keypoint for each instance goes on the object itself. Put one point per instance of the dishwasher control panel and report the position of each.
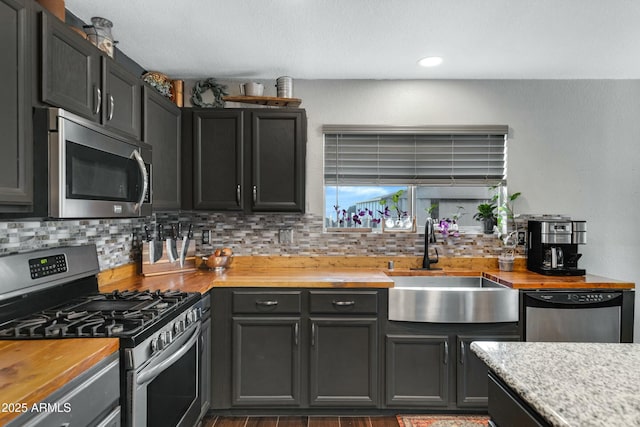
(575, 297)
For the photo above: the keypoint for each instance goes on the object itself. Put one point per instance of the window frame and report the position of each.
(493, 131)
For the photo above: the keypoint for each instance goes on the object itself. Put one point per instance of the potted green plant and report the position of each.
(486, 214)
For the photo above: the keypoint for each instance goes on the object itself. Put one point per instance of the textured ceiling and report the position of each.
(377, 39)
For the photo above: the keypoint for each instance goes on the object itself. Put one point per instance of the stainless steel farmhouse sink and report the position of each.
(451, 299)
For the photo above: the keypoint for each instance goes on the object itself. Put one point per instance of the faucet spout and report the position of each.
(429, 237)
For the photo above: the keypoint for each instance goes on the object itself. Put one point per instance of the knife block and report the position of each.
(163, 265)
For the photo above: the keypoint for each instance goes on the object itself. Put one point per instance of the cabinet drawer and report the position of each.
(89, 397)
(267, 302)
(330, 302)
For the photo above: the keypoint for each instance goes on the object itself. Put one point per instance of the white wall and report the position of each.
(574, 146)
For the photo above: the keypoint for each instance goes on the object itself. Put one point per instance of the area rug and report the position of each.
(443, 420)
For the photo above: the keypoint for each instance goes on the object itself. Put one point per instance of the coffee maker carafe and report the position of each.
(553, 247)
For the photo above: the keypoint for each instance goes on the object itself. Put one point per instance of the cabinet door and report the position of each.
(121, 99)
(70, 70)
(266, 361)
(217, 160)
(16, 174)
(472, 372)
(205, 368)
(417, 370)
(344, 362)
(162, 130)
(278, 150)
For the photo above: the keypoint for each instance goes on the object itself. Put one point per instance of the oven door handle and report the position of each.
(145, 180)
(151, 372)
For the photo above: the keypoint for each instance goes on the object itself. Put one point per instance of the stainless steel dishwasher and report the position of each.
(573, 316)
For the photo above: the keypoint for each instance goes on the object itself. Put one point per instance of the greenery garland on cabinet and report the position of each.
(216, 88)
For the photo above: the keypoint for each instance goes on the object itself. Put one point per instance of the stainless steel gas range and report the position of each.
(53, 294)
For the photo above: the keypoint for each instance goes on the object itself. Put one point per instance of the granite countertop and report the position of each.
(571, 384)
(30, 370)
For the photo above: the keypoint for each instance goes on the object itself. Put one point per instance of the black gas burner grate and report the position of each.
(120, 313)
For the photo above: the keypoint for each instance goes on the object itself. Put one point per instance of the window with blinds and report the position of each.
(442, 172)
(455, 155)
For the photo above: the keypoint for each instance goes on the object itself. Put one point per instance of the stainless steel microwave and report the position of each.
(90, 172)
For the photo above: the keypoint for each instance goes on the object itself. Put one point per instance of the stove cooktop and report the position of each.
(126, 314)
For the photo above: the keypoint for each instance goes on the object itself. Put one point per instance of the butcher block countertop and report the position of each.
(30, 370)
(344, 272)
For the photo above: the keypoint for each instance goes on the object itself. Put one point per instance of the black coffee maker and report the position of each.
(553, 247)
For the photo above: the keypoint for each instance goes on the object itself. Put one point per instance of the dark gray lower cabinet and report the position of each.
(431, 366)
(472, 372)
(507, 409)
(278, 350)
(266, 361)
(417, 371)
(291, 349)
(343, 362)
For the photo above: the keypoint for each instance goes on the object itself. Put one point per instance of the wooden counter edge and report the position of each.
(120, 277)
(39, 392)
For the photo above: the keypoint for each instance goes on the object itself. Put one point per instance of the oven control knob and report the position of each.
(190, 317)
(165, 339)
(154, 345)
(178, 327)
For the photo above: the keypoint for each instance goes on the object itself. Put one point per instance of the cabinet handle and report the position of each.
(462, 353)
(98, 99)
(111, 104)
(255, 193)
(296, 331)
(313, 335)
(267, 303)
(238, 194)
(446, 352)
(344, 303)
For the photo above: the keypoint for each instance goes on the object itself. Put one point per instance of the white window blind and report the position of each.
(452, 155)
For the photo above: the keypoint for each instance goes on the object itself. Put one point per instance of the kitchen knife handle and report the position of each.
(238, 194)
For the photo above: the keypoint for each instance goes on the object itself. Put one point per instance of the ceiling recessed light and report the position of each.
(430, 61)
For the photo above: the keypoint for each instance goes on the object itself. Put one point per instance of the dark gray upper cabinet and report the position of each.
(250, 160)
(162, 130)
(218, 160)
(70, 70)
(78, 77)
(278, 151)
(121, 99)
(16, 163)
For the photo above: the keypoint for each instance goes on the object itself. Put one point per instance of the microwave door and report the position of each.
(98, 176)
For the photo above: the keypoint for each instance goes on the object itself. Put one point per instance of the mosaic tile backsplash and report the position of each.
(119, 240)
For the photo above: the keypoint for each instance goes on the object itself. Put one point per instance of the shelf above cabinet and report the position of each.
(265, 100)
